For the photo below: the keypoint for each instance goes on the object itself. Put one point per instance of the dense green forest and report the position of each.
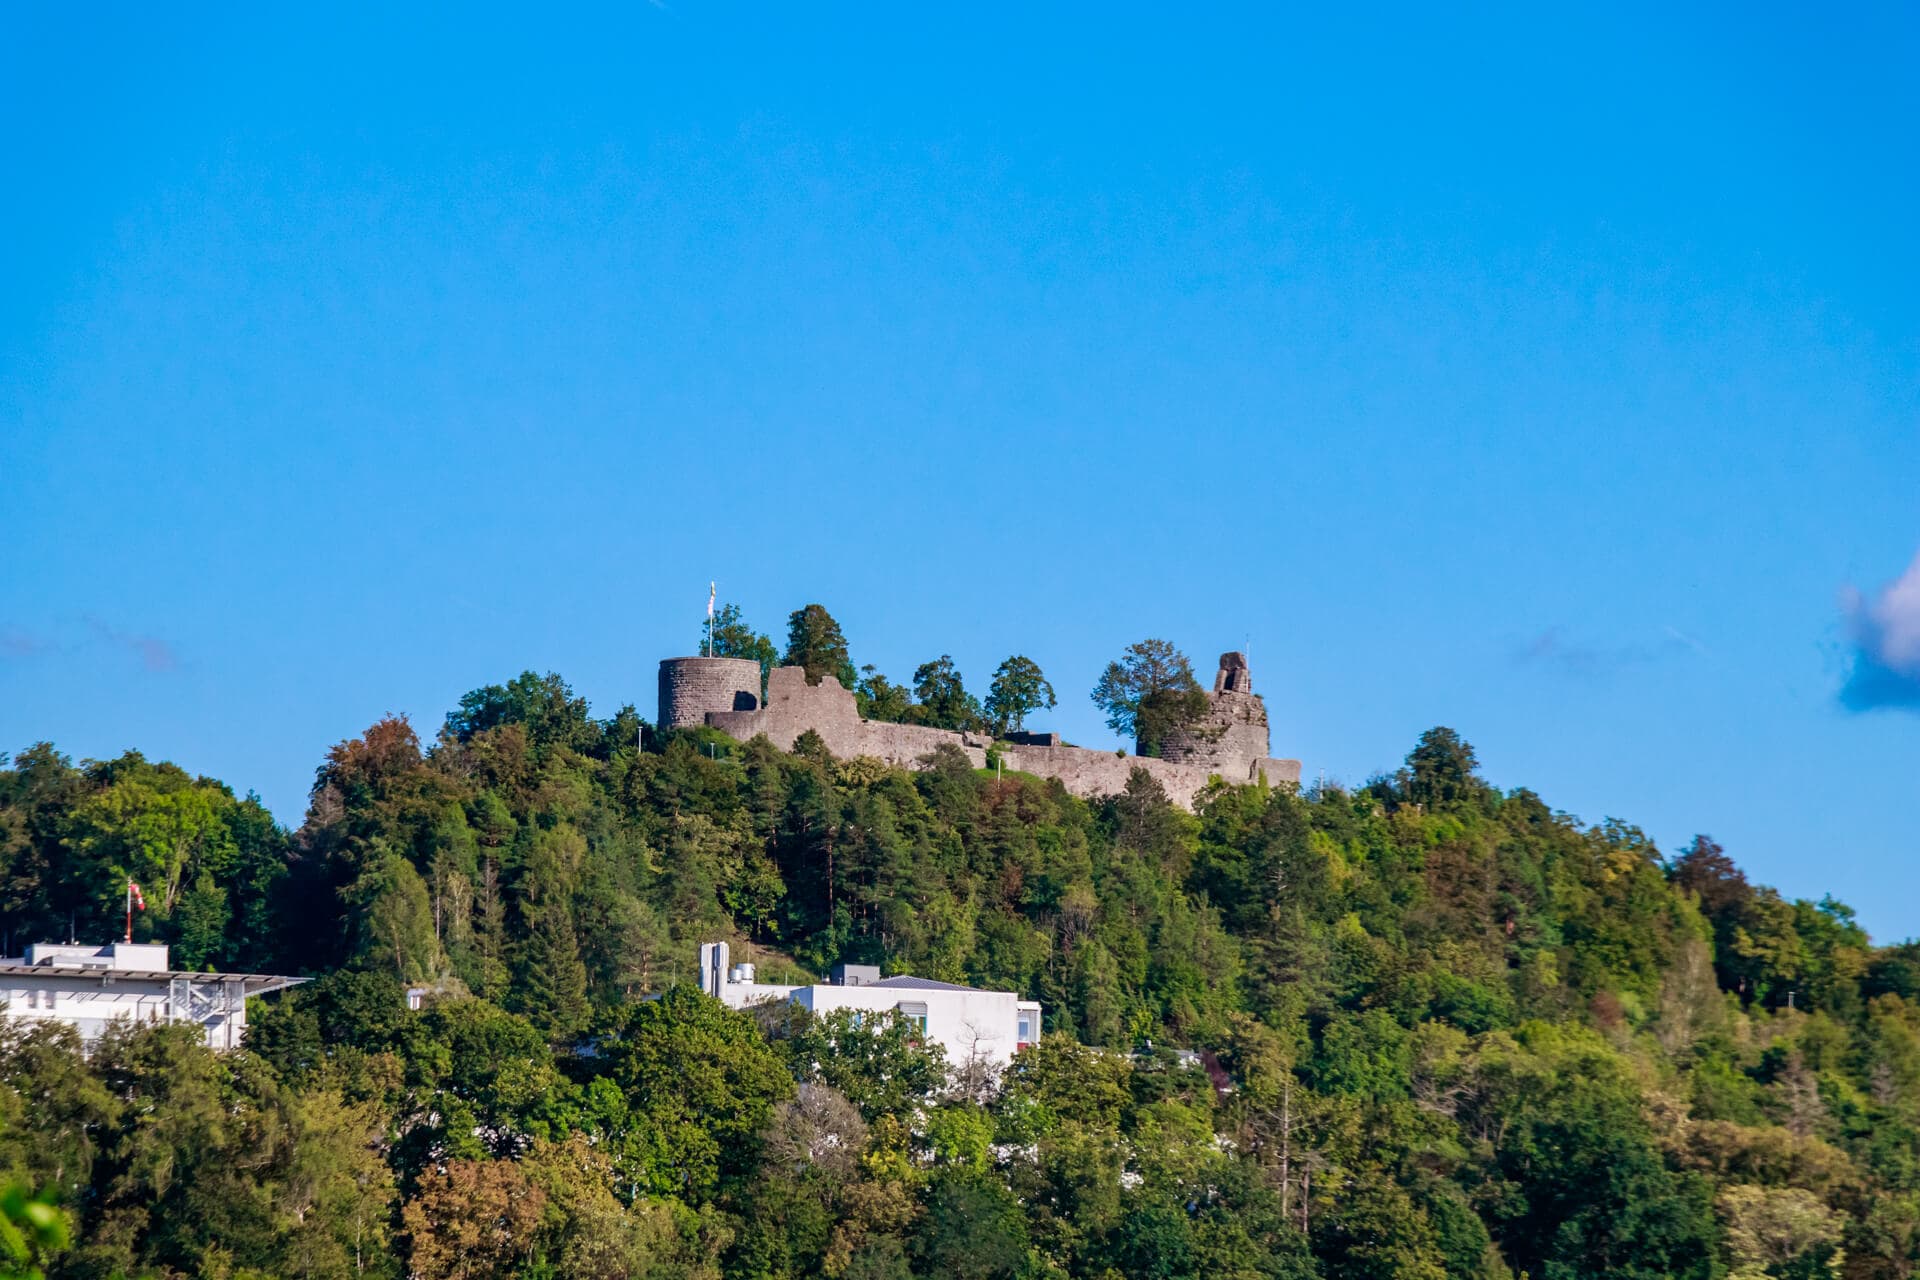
(1446, 1030)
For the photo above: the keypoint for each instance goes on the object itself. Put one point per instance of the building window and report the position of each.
(915, 1014)
(33, 998)
(1025, 1032)
(49, 999)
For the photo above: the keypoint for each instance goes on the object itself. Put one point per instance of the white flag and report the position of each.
(713, 590)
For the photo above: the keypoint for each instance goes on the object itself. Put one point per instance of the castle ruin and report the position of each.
(1230, 742)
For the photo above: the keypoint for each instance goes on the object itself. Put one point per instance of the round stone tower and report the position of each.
(691, 687)
(1232, 736)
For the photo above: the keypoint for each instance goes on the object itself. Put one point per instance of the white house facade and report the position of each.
(973, 1026)
(89, 987)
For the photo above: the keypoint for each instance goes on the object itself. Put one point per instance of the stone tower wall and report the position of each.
(1232, 738)
(690, 688)
(1228, 739)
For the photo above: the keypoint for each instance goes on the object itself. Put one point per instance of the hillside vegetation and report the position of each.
(1448, 1031)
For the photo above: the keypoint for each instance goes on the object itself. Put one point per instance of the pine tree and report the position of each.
(814, 641)
(553, 979)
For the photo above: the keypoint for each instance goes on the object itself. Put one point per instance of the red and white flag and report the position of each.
(134, 896)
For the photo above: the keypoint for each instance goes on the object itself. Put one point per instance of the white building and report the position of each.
(973, 1026)
(88, 987)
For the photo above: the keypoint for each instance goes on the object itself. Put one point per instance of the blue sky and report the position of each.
(1550, 377)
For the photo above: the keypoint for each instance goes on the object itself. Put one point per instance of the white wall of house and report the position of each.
(88, 1005)
(89, 988)
(971, 1025)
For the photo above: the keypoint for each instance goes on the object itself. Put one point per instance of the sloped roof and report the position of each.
(907, 982)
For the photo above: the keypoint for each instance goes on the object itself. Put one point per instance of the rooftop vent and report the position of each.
(855, 975)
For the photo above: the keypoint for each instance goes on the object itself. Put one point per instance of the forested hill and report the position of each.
(1449, 1030)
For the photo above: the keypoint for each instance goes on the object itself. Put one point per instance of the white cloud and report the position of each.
(1885, 633)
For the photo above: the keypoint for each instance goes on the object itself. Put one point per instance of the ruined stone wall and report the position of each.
(690, 688)
(828, 709)
(1086, 772)
(1274, 771)
(1233, 733)
(1227, 740)
(1234, 675)
(793, 707)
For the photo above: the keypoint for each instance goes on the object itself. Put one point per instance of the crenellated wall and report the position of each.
(793, 707)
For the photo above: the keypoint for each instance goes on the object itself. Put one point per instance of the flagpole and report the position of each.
(129, 910)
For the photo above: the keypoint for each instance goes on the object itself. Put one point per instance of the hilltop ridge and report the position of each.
(1442, 1030)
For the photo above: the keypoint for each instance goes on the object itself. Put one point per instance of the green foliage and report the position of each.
(395, 920)
(881, 699)
(973, 1228)
(1425, 1028)
(879, 1063)
(32, 1229)
(814, 641)
(944, 702)
(733, 637)
(1019, 689)
(552, 990)
(213, 869)
(544, 705)
(1441, 769)
(938, 697)
(1149, 692)
(700, 1084)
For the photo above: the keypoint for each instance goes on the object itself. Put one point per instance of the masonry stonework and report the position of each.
(828, 709)
(1231, 743)
(1232, 736)
(691, 687)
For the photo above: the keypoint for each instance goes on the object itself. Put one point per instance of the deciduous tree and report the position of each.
(701, 1083)
(1019, 689)
(552, 714)
(1149, 692)
(944, 701)
(472, 1220)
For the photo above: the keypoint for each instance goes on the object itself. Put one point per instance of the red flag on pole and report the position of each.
(134, 898)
